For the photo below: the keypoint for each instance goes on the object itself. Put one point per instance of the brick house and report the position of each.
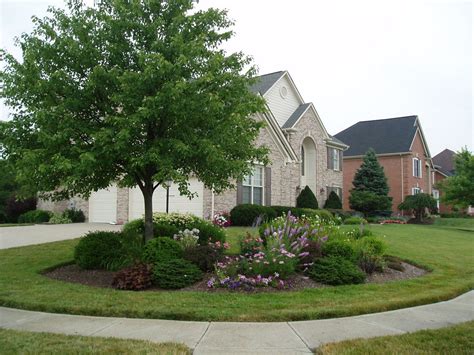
(401, 149)
(443, 168)
(301, 153)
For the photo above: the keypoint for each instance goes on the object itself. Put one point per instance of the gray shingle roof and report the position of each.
(392, 135)
(296, 115)
(445, 162)
(265, 82)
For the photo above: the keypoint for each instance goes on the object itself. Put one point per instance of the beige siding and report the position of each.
(282, 108)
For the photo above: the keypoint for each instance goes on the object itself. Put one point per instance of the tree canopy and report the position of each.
(134, 92)
(418, 204)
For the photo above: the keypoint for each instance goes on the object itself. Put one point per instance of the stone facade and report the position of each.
(60, 206)
(122, 204)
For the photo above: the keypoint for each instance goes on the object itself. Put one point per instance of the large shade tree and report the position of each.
(132, 92)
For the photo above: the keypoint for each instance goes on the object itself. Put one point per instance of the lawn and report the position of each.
(446, 251)
(20, 342)
(457, 223)
(458, 339)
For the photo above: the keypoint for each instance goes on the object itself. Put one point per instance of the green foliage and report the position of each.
(369, 251)
(59, 218)
(333, 201)
(161, 249)
(137, 227)
(368, 202)
(176, 273)
(335, 270)
(306, 199)
(137, 277)
(15, 207)
(418, 204)
(247, 215)
(338, 248)
(8, 186)
(96, 250)
(36, 216)
(203, 256)
(179, 220)
(76, 216)
(208, 232)
(355, 220)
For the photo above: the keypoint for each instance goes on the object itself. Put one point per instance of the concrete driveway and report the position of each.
(43, 233)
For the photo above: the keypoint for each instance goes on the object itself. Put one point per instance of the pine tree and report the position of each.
(306, 199)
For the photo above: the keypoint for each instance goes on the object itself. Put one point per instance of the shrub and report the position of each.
(97, 250)
(313, 252)
(137, 227)
(14, 208)
(203, 256)
(36, 216)
(208, 232)
(333, 201)
(369, 252)
(335, 270)
(76, 216)
(359, 233)
(137, 277)
(58, 218)
(176, 273)
(179, 220)
(251, 245)
(306, 199)
(3, 217)
(338, 248)
(161, 249)
(355, 220)
(418, 204)
(368, 201)
(324, 215)
(247, 215)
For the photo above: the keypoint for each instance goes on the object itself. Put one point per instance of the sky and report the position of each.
(355, 60)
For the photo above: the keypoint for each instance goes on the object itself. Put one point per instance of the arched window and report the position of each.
(302, 161)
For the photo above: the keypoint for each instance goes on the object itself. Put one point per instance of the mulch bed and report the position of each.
(103, 278)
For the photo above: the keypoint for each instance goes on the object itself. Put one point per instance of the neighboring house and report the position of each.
(301, 153)
(401, 149)
(443, 168)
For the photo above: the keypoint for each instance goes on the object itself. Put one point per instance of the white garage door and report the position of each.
(177, 203)
(103, 206)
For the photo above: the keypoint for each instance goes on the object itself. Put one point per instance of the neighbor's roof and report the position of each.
(445, 162)
(385, 136)
(265, 82)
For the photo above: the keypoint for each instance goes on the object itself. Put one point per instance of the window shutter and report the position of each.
(330, 161)
(239, 192)
(340, 160)
(268, 186)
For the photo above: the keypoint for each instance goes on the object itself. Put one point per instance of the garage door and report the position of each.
(177, 203)
(103, 206)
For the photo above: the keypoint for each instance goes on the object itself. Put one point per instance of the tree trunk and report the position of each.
(148, 197)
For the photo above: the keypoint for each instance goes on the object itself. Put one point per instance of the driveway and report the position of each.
(44, 233)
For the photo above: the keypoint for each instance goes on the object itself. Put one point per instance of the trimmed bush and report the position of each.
(307, 199)
(137, 277)
(333, 201)
(203, 256)
(97, 250)
(335, 270)
(355, 220)
(76, 216)
(247, 215)
(137, 227)
(58, 218)
(338, 248)
(176, 273)
(161, 249)
(36, 216)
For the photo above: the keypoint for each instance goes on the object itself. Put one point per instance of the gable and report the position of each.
(283, 99)
(418, 146)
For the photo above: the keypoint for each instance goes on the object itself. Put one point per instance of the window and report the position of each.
(252, 187)
(302, 161)
(334, 159)
(415, 190)
(337, 190)
(436, 197)
(417, 167)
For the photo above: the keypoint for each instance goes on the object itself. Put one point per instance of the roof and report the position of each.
(385, 136)
(295, 116)
(444, 162)
(337, 141)
(265, 82)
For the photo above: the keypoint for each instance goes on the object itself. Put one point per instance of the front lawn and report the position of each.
(448, 252)
(457, 223)
(458, 339)
(20, 342)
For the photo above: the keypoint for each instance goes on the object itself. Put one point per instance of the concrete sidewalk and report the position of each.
(45, 233)
(250, 338)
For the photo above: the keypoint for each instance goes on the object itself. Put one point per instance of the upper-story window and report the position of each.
(334, 159)
(252, 187)
(417, 168)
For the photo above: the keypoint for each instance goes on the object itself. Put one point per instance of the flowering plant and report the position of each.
(221, 219)
(250, 245)
(187, 238)
(247, 283)
(179, 220)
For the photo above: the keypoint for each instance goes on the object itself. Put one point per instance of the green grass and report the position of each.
(457, 223)
(20, 342)
(458, 339)
(448, 252)
(16, 224)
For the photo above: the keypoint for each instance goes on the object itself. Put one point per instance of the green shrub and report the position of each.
(247, 215)
(58, 218)
(76, 216)
(161, 249)
(324, 215)
(208, 232)
(176, 273)
(367, 201)
(335, 270)
(333, 201)
(355, 220)
(203, 256)
(418, 204)
(36, 216)
(369, 253)
(307, 199)
(338, 248)
(137, 227)
(98, 250)
(179, 220)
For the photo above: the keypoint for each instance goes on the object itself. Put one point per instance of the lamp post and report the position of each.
(168, 184)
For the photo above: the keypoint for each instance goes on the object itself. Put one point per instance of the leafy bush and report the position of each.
(251, 245)
(369, 252)
(3, 217)
(204, 257)
(325, 215)
(307, 199)
(313, 251)
(179, 220)
(176, 273)
(137, 277)
(247, 215)
(161, 249)
(187, 238)
(333, 201)
(58, 218)
(97, 250)
(355, 220)
(335, 270)
(208, 232)
(368, 201)
(137, 227)
(36, 216)
(418, 204)
(339, 248)
(76, 216)
(358, 233)
(15, 208)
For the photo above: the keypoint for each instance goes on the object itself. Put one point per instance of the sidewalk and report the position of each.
(255, 338)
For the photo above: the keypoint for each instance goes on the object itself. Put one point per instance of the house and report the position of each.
(443, 168)
(301, 151)
(401, 149)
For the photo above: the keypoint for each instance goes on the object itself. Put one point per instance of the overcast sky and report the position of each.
(355, 60)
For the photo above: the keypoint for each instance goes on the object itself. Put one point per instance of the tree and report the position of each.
(459, 189)
(306, 199)
(418, 204)
(135, 92)
(370, 192)
(333, 201)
